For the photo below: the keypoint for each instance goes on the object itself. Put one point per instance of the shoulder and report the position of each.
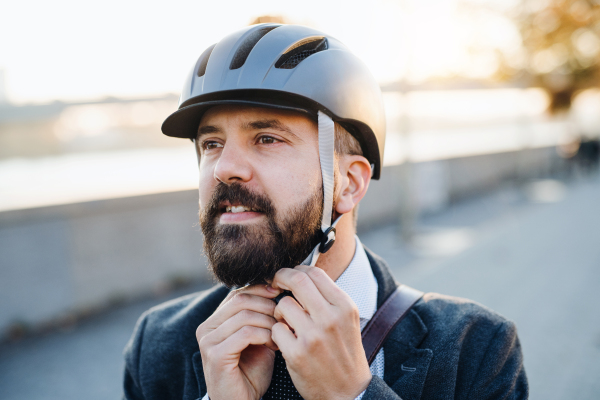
(441, 313)
(191, 309)
(480, 346)
(169, 328)
(439, 319)
(457, 325)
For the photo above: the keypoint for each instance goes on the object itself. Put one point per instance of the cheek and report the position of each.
(206, 184)
(290, 183)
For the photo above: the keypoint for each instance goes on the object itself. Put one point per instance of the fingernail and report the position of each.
(272, 289)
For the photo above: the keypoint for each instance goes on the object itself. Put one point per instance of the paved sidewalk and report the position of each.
(537, 264)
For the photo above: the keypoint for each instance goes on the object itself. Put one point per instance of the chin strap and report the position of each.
(326, 158)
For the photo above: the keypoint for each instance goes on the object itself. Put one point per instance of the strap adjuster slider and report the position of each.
(327, 239)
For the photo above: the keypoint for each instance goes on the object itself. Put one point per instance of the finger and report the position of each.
(266, 291)
(260, 290)
(238, 302)
(284, 338)
(326, 286)
(235, 323)
(303, 288)
(244, 337)
(289, 310)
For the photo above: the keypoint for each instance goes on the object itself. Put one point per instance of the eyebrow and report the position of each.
(251, 126)
(270, 124)
(207, 129)
(266, 124)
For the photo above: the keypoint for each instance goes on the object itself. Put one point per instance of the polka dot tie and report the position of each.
(282, 387)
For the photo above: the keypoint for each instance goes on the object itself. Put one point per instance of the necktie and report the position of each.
(282, 387)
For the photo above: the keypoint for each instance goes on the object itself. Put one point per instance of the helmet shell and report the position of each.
(333, 81)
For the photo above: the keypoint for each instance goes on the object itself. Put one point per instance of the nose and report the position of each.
(233, 164)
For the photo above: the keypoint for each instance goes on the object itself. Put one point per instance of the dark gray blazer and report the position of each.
(446, 348)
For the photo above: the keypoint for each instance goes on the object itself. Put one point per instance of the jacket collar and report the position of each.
(405, 364)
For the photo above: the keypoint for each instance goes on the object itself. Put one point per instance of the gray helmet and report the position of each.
(290, 67)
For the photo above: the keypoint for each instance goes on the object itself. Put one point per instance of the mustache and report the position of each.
(237, 193)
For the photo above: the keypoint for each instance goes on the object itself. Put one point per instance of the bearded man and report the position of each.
(289, 130)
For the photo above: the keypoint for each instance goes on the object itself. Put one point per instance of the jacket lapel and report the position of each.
(405, 365)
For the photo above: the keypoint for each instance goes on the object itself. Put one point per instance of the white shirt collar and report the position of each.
(359, 282)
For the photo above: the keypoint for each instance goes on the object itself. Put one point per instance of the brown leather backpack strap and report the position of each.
(387, 317)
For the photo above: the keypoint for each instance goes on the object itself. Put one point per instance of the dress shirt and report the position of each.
(360, 284)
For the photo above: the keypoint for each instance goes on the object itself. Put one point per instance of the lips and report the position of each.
(238, 214)
(234, 203)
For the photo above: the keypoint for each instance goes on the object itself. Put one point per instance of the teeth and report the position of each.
(236, 209)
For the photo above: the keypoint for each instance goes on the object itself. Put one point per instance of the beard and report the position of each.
(241, 255)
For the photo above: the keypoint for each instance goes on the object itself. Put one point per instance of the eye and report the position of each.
(211, 144)
(267, 140)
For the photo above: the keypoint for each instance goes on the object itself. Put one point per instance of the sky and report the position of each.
(72, 50)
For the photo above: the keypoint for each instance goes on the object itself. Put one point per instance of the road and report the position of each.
(530, 253)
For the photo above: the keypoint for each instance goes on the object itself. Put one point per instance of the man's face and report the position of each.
(260, 191)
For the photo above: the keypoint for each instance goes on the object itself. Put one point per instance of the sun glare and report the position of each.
(70, 50)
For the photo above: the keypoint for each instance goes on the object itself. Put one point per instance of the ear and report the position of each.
(354, 179)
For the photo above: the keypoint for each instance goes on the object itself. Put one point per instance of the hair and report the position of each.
(346, 144)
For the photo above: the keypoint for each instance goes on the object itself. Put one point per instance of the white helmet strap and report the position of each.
(326, 157)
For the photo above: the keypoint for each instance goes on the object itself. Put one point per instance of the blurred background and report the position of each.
(490, 189)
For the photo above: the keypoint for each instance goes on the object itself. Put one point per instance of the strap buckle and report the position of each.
(327, 239)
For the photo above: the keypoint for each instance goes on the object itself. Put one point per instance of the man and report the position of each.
(289, 130)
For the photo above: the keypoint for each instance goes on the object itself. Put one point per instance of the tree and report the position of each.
(561, 39)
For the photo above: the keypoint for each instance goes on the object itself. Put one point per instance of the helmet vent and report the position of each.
(203, 60)
(247, 45)
(300, 51)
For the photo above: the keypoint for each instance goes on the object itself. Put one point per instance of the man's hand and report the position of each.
(320, 337)
(236, 346)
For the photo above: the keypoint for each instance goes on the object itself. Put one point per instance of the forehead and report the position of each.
(236, 116)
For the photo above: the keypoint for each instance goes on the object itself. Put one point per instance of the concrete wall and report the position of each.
(437, 183)
(73, 258)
